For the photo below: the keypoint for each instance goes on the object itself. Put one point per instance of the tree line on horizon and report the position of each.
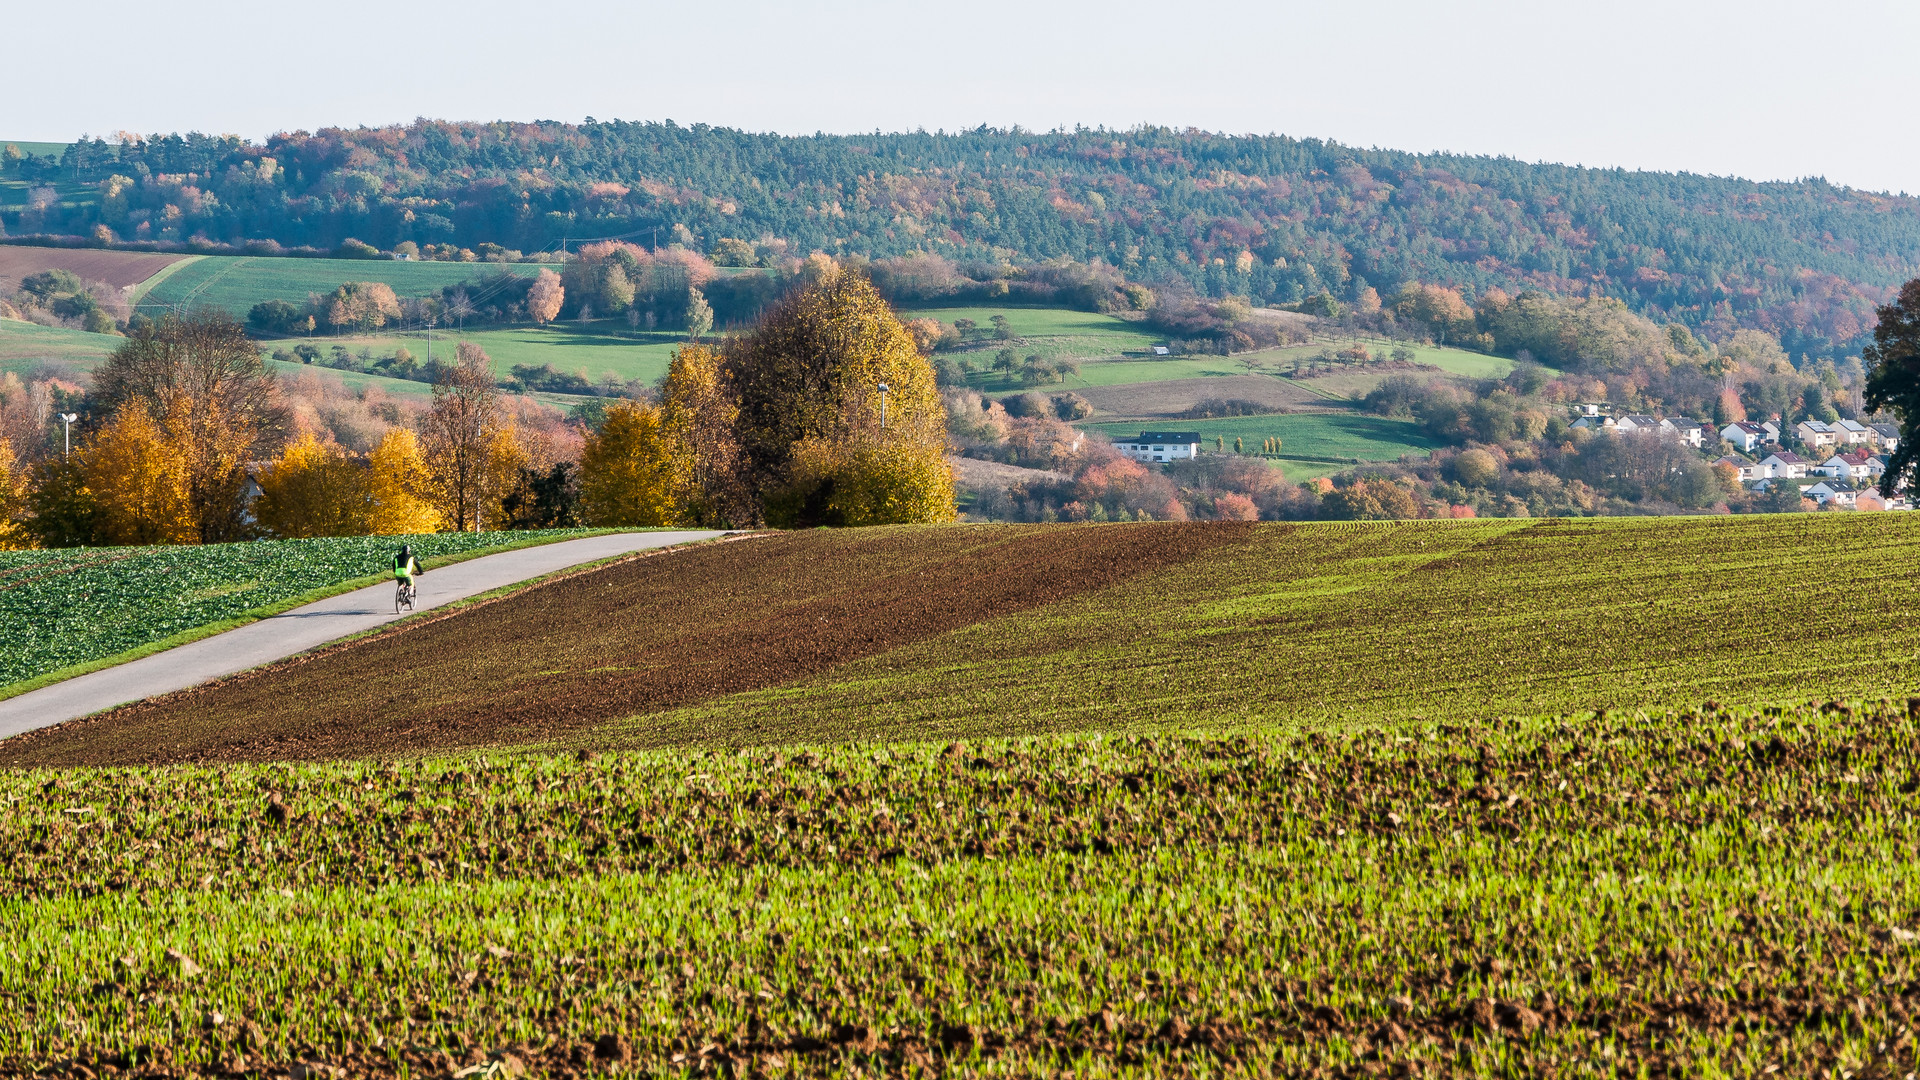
(1269, 219)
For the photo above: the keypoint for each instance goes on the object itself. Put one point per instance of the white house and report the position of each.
(1836, 492)
(1886, 436)
(1693, 432)
(1785, 464)
(1815, 433)
(1744, 436)
(1772, 429)
(1852, 431)
(1746, 467)
(1591, 422)
(1628, 425)
(1161, 446)
(1856, 466)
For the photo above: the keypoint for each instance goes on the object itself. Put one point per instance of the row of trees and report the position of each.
(825, 414)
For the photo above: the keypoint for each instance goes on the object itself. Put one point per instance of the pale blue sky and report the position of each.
(1756, 88)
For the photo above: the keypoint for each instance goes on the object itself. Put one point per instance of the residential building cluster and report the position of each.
(1843, 458)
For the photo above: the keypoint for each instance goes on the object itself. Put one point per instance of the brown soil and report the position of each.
(116, 268)
(1175, 396)
(625, 640)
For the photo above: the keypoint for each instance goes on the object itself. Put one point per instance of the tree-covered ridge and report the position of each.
(1276, 218)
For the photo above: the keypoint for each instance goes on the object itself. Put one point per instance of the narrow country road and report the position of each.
(309, 627)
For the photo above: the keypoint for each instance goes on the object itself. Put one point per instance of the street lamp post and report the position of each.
(883, 406)
(66, 431)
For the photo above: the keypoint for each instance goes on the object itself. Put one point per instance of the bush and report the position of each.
(356, 249)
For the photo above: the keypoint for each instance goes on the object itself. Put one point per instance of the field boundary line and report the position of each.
(433, 615)
(141, 289)
(267, 611)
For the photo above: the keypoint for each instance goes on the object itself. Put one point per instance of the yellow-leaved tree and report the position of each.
(314, 489)
(138, 480)
(627, 470)
(13, 501)
(505, 458)
(399, 487)
(839, 420)
(697, 416)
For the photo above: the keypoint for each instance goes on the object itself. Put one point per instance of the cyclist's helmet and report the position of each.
(406, 551)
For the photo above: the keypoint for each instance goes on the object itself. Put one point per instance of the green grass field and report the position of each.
(25, 346)
(38, 149)
(1461, 799)
(234, 283)
(1334, 435)
(596, 348)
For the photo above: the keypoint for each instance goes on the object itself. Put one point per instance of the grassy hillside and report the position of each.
(25, 346)
(235, 283)
(595, 348)
(1326, 435)
(1091, 802)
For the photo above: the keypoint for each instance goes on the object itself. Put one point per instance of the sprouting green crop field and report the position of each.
(1709, 892)
(1466, 799)
(1357, 436)
(64, 607)
(234, 283)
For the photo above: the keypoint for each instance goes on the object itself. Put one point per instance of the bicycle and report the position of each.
(404, 593)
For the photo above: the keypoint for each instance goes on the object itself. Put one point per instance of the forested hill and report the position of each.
(1278, 218)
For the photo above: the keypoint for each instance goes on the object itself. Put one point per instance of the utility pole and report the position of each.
(883, 406)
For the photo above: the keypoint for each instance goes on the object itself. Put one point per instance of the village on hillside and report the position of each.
(1836, 465)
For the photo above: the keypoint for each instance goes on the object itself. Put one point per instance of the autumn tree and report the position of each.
(206, 386)
(699, 315)
(362, 306)
(697, 416)
(1893, 381)
(400, 487)
(627, 470)
(139, 479)
(314, 489)
(545, 297)
(816, 446)
(13, 501)
(1373, 498)
(459, 435)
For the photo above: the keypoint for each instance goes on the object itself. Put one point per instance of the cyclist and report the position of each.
(404, 567)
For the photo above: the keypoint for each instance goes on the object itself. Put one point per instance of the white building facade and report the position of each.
(1154, 446)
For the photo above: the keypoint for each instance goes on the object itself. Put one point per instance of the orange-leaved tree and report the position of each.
(545, 297)
(627, 470)
(839, 421)
(400, 487)
(314, 489)
(138, 478)
(362, 305)
(205, 386)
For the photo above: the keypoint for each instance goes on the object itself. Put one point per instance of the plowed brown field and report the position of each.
(625, 640)
(116, 268)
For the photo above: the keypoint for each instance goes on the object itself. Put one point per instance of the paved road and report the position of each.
(304, 628)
